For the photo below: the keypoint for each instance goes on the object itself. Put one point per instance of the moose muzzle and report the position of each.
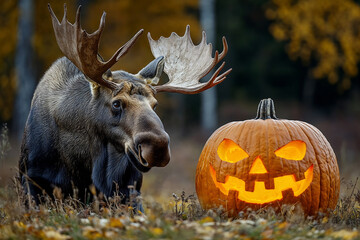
(153, 149)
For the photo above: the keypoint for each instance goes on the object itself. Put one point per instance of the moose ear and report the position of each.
(152, 72)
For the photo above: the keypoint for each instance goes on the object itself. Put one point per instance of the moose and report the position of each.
(90, 126)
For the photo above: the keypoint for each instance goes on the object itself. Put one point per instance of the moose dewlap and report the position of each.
(268, 161)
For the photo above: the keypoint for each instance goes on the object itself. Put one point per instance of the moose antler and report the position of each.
(82, 48)
(186, 63)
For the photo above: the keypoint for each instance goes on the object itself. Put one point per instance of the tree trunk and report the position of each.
(24, 67)
(208, 98)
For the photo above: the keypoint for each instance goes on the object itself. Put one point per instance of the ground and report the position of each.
(179, 217)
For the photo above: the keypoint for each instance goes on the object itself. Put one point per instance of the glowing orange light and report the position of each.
(294, 150)
(261, 195)
(229, 151)
(258, 167)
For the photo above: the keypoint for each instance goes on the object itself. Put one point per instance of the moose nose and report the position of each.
(153, 149)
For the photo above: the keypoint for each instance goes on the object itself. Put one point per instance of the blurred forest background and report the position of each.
(304, 54)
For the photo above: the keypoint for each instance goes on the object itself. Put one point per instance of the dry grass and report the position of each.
(166, 217)
(178, 217)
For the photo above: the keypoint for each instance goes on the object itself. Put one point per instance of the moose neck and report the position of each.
(266, 110)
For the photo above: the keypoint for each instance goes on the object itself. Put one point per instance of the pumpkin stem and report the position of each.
(266, 109)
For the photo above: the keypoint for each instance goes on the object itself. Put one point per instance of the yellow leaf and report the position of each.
(92, 189)
(206, 220)
(115, 222)
(20, 225)
(156, 231)
(311, 29)
(345, 234)
(53, 235)
(91, 233)
(106, 211)
(282, 225)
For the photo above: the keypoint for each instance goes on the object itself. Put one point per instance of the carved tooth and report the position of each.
(299, 176)
(269, 183)
(249, 185)
(231, 199)
(221, 178)
(288, 194)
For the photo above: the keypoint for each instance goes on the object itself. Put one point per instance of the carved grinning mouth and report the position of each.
(261, 195)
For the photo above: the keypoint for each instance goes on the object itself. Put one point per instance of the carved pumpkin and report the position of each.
(267, 161)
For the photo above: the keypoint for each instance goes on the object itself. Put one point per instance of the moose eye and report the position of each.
(116, 105)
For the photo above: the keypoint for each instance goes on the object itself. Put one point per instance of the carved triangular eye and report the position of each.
(294, 150)
(229, 151)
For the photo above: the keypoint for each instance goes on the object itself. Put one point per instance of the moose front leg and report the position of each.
(37, 187)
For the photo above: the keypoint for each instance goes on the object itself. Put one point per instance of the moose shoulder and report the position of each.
(88, 125)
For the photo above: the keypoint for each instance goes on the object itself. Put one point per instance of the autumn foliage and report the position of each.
(8, 20)
(324, 34)
(124, 19)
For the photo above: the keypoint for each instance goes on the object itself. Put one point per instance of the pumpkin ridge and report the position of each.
(241, 132)
(317, 204)
(276, 140)
(320, 139)
(319, 165)
(336, 181)
(227, 128)
(269, 132)
(294, 125)
(249, 129)
(326, 172)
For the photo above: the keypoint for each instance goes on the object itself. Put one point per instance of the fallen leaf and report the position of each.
(115, 222)
(156, 231)
(20, 225)
(84, 221)
(283, 225)
(91, 233)
(206, 220)
(267, 234)
(103, 222)
(110, 234)
(53, 235)
(345, 234)
(92, 189)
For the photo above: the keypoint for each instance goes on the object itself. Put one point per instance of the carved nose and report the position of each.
(153, 148)
(258, 167)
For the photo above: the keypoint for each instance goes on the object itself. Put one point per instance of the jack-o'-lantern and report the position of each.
(267, 161)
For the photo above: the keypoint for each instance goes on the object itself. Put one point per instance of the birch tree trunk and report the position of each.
(208, 98)
(24, 66)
